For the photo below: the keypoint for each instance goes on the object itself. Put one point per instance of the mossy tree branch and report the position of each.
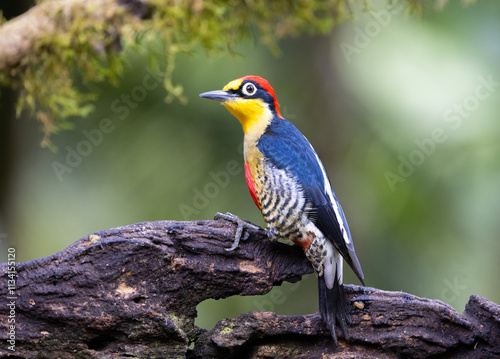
(45, 49)
(132, 292)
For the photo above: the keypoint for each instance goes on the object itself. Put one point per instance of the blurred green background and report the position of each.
(402, 110)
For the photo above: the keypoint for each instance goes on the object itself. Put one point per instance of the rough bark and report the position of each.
(19, 35)
(132, 292)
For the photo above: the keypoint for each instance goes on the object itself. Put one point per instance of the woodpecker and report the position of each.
(290, 186)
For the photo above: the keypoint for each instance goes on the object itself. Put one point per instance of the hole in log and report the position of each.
(139, 299)
(287, 299)
(100, 342)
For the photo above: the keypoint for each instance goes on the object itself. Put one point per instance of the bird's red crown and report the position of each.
(265, 85)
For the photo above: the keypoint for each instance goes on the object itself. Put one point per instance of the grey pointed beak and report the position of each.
(219, 95)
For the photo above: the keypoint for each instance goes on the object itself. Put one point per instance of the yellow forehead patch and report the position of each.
(233, 85)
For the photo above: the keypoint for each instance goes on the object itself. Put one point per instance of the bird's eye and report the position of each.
(249, 89)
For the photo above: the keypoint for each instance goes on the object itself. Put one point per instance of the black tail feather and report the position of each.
(333, 306)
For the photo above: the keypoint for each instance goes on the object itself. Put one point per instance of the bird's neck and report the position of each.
(252, 135)
(254, 115)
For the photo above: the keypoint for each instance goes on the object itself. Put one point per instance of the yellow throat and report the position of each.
(253, 114)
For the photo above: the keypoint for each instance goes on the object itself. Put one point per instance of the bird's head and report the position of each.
(250, 99)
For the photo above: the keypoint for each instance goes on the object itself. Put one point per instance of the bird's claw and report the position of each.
(242, 225)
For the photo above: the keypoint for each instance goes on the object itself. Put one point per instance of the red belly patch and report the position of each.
(251, 184)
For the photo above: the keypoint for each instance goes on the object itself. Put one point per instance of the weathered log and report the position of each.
(132, 292)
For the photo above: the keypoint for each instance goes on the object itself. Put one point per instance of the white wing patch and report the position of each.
(328, 191)
(333, 266)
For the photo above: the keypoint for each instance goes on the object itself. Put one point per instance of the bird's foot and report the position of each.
(242, 225)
